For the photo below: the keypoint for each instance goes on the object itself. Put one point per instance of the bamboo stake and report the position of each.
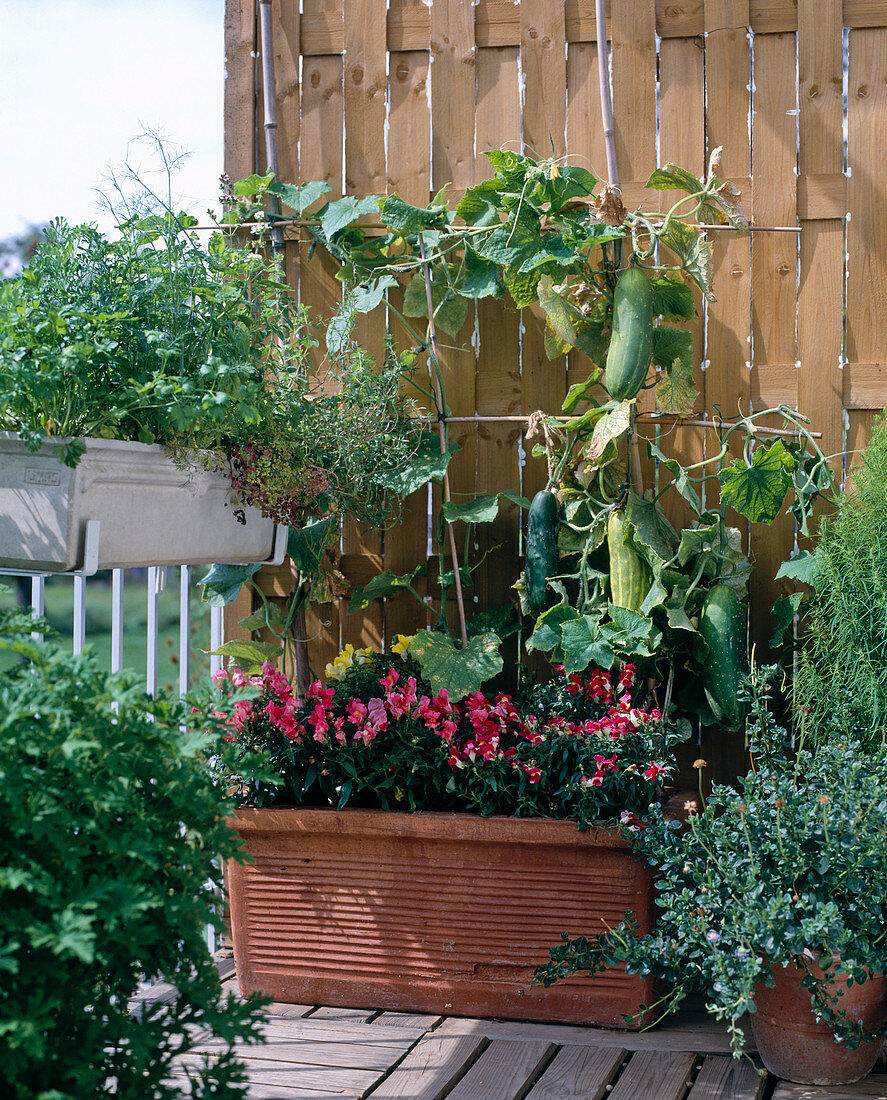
(432, 345)
(603, 65)
(647, 418)
(270, 101)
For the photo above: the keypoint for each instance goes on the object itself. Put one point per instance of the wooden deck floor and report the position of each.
(319, 1053)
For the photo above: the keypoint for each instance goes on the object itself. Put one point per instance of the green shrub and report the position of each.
(841, 684)
(109, 827)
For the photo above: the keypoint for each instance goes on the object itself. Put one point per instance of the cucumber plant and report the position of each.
(606, 577)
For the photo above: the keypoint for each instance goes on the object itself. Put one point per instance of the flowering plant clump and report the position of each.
(377, 735)
(791, 862)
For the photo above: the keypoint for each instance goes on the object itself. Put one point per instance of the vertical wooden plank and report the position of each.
(585, 130)
(820, 297)
(727, 79)
(544, 75)
(543, 60)
(365, 84)
(867, 197)
(240, 123)
(728, 348)
(453, 105)
(240, 88)
(409, 134)
(453, 81)
(409, 174)
(859, 430)
(633, 31)
(774, 283)
(285, 34)
(682, 141)
(321, 157)
(633, 63)
(498, 361)
(234, 612)
(365, 94)
(585, 145)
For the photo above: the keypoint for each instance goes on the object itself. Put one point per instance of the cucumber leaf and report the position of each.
(385, 584)
(673, 299)
(249, 656)
(222, 583)
(482, 509)
(270, 615)
(669, 344)
(450, 308)
(674, 178)
(548, 634)
(757, 490)
(802, 567)
(675, 392)
(501, 621)
(408, 220)
(335, 216)
(578, 390)
(694, 253)
(459, 671)
(299, 198)
(427, 462)
(306, 544)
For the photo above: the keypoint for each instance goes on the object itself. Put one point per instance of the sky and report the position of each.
(81, 80)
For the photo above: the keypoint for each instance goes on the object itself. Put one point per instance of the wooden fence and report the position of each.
(404, 97)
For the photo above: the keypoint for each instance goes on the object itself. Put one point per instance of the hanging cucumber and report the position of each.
(723, 623)
(542, 558)
(631, 345)
(630, 575)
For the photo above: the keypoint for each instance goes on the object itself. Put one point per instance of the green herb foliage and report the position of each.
(153, 337)
(842, 677)
(794, 860)
(110, 827)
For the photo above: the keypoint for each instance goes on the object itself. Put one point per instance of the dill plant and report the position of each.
(841, 684)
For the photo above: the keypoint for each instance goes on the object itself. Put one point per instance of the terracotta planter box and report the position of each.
(442, 913)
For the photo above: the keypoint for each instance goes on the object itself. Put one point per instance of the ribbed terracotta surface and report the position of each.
(444, 913)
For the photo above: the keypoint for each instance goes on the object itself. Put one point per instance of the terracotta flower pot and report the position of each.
(795, 1046)
(429, 912)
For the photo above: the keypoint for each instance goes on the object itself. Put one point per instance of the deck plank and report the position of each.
(431, 1069)
(695, 1032)
(664, 1074)
(309, 1027)
(408, 1019)
(279, 1010)
(225, 966)
(356, 1015)
(259, 1091)
(346, 1053)
(872, 1088)
(579, 1073)
(323, 1080)
(503, 1071)
(728, 1079)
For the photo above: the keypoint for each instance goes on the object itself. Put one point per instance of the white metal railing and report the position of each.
(157, 577)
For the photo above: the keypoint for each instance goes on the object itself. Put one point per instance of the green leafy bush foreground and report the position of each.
(109, 826)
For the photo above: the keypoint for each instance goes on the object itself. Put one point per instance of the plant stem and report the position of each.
(438, 391)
